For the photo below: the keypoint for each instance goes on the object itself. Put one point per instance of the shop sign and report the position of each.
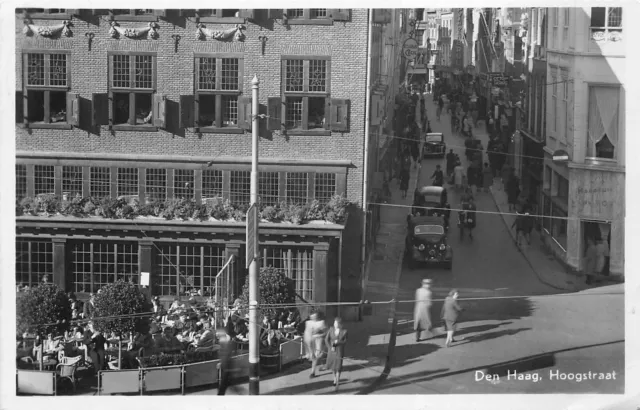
(410, 49)
(598, 194)
(560, 156)
(499, 80)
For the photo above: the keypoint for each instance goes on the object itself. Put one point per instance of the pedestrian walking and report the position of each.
(518, 224)
(438, 176)
(487, 177)
(225, 354)
(590, 260)
(513, 191)
(450, 312)
(440, 107)
(336, 341)
(422, 310)
(415, 153)
(471, 177)
(458, 173)
(451, 163)
(314, 333)
(404, 182)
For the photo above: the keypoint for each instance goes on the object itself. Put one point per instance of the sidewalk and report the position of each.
(542, 261)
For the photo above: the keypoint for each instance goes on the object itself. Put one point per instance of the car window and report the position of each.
(428, 230)
(434, 138)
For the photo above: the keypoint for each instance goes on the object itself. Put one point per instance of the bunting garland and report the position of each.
(151, 31)
(202, 33)
(47, 31)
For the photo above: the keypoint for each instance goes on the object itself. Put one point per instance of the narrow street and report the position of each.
(570, 333)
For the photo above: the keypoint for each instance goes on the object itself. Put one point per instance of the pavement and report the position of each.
(518, 315)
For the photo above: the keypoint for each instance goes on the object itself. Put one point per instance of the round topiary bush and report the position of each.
(116, 299)
(275, 288)
(43, 309)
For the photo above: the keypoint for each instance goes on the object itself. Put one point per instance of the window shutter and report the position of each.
(159, 110)
(160, 12)
(247, 13)
(327, 113)
(244, 113)
(374, 110)
(187, 109)
(73, 109)
(275, 113)
(20, 117)
(339, 114)
(339, 14)
(275, 13)
(100, 105)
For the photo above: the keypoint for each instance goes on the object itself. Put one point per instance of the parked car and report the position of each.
(431, 201)
(434, 145)
(426, 242)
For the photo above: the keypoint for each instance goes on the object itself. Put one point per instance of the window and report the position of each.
(306, 93)
(183, 184)
(21, 181)
(565, 28)
(135, 14)
(312, 16)
(132, 87)
(605, 20)
(240, 187)
(211, 184)
(72, 181)
(554, 98)
(46, 83)
(420, 37)
(219, 84)
(34, 259)
(419, 14)
(96, 264)
(48, 14)
(325, 186)
(602, 130)
(554, 35)
(296, 263)
(128, 182)
(44, 179)
(559, 226)
(269, 188)
(562, 188)
(564, 77)
(186, 269)
(297, 183)
(156, 184)
(221, 15)
(100, 182)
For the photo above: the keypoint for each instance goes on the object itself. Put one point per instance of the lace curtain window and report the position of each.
(604, 103)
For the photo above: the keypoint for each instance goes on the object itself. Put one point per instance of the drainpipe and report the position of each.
(365, 179)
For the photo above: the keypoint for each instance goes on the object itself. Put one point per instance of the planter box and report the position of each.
(198, 374)
(162, 378)
(119, 381)
(36, 382)
(270, 361)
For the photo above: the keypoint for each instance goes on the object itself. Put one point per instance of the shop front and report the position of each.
(531, 168)
(596, 207)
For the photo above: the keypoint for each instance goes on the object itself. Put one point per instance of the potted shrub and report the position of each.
(275, 288)
(43, 308)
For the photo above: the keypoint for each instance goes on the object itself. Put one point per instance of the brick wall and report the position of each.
(345, 42)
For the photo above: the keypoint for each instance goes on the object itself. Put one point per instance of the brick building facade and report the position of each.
(137, 102)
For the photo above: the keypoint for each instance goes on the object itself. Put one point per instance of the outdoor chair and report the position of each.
(67, 368)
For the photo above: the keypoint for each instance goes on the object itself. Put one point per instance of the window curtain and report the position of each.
(604, 103)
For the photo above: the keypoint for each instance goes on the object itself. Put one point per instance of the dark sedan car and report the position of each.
(434, 145)
(427, 242)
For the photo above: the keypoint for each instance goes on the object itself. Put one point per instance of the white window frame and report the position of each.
(565, 27)
(591, 153)
(606, 28)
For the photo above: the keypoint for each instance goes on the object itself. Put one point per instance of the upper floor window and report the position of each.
(44, 179)
(565, 26)
(132, 98)
(45, 101)
(136, 14)
(219, 81)
(555, 14)
(21, 181)
(48, 14)
(223, 15)
(72, 180)
(606, 19)
(419, 14)
(315, 16)
(603, 121)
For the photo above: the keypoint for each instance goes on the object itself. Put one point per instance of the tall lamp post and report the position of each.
(253, 252)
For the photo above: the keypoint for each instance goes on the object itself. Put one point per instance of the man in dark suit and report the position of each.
(450, 312)
(89, 308)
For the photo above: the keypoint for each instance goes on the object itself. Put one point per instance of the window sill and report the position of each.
(309, 132)
(44, 16)
(224, 130)
(55, 126)
(317, 22)
(124, 17)
(143, 128)
(221, 20)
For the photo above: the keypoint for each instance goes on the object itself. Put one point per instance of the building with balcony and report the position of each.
(156, 104)
(584, 196)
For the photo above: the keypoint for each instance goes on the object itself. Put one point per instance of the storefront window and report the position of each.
(546, 211)
(559, 226)
(34, 259)
(96, 264)
(296, 263)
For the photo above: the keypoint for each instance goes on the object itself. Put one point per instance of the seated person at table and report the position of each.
(158, 310)
(176, 307)
(206, 340)
(168, 342)
(76, 307)
(78, 333)
(140, 340)
(95, 342)
(241, 330)
(268, 334)
(189, 334)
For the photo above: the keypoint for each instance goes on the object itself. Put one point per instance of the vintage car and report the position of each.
(427, 242)
(434, 145)
(431, 201)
